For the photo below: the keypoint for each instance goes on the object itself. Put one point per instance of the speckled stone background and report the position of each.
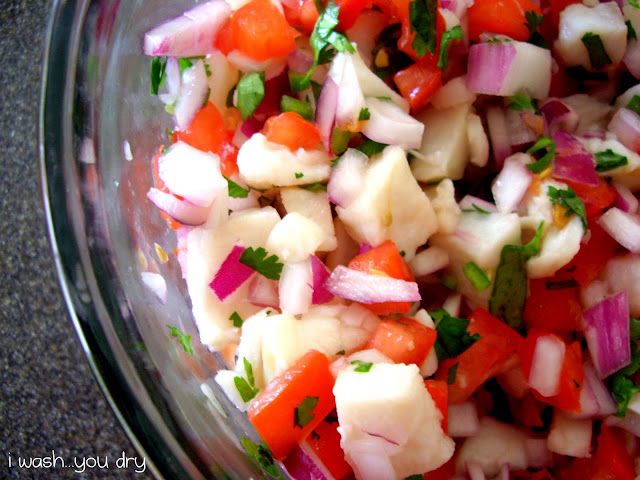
(49, 399)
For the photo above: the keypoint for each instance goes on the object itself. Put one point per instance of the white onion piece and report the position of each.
(623, 227)
(452, 305)
(462, 420)
(468, 201)
(189, 35)
(475, 471)
(191, 173)
(295, 288)
(263, 292)
(192, 96)
(453, 93)
(498, 134)
(632, 58)
(369, 288)
(346, 179)
(326, 111)
(174, 77)
(429, 261)
(389, 124)
(350, 97)
(569, 436)
(272, 67)
(546, 365)
(478, 141)
(626, 201)
(512, 183)
(371, 464)
(180, 210)
(625, 124)
(156, 284)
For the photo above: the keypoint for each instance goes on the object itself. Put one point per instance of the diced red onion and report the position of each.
(180, 210)
(263, 292)
(295, 288)
(320, 274)
(625, 124)
(625, 199)
(512, 183)
(299, 62)
(546, 365)
(606, 328)
(468, 201)
(498, 134)
(453, 93)
(589, 406)
(632, 58)
(368, 288)
(462, 420)
(573, 161)
(251, 126)
(346, 180)
(558, 115)
(189, 35)
(520, 135)
(303, 464)
(623, 227)
(475, 471)
(630, 423)
(231, 274)
(364, 248)
(326, 111)
(389, 124)
(192, 96)
(429, 261)
(156, 284)
(538, 454)
(191, 174)
(602, 395)
(504, 473)
(350, 97)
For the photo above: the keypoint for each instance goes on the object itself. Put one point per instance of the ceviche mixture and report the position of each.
(411, 229)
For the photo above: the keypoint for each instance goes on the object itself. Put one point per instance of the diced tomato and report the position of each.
(486, 358)
(526, 410)
(403, 341)
(384, 260)
(228, 154)
(349, 12)
(562, 85)
(571, 375)
(325, 442)
(504, 17)
(593, 255)
(596, 198)
(206, 132)
(418, 83)
(273, 413)
(292, 131)
(445, 472)
(302, 15)
(405, 42)
(552, 309)
(557, 6)
(440, 395)
(258, 30)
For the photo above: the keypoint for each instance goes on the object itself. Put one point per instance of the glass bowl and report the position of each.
(96, 114)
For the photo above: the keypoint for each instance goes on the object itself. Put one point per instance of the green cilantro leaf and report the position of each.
(476, 209)
(362, 367)
(364, 114)
(250, 93)
(451, 375)
(634, 3)
(422, 19)
(451, 34)
(522, 102)
(262, 455)
(370, 148)
(314, 187)
(302, 108)
(533, 21)
(246, 391)
(544, 161)
(510, 283)
(634, 329)
(235, 190)
(453, 337)
(476, 276)
(631, 32)
(248, 368)
(302, 415)
(339, 142)
(568, 198)
(608, 160)
(236, 319)
(299, 175)
(183, 339)
(341, 352)
(622, 388)
(158, 75)
(634, 104)
(597, 54)
(258, 260)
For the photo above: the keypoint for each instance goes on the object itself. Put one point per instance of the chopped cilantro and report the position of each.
(235, 190)
(510, 283)
(522, 102)
(414, 477)
(370, 148)
(362, 367)
(422, 20)
(544, 161)
(622, 387)
(634, 3)
(302, 108)
(451, 34)
(302, 415)
(453, 337)
(249, 369)
(403, 253)
(315, 436)
(476, 209)
(608, 160)
(267, 266)
(299, 174)
(451, 374)
(341, 352)
(597, 54)
(262, 455)
(364, 114)
(568, 198)
(339, 141)
(236, 319)
(561, 284)
(187, 62)
(183, 339)
(158, 75)
(250, 93)
(314, 187)
(631, 32)
(244, 389)
(634, 329)
(533, 20)
(476, 276)
(634, 104)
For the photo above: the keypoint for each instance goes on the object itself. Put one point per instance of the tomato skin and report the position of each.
(552, 309)
(349, 12)
(403, 341)
(504, 17)
(228, 154)
(206, 132)
(301, 15)
(595, 198)
(326, 444)
(557, 6)
(418, 83)
(445, 472)
(384, 259)
(258, 30)
(440, 395)
(292, 131)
